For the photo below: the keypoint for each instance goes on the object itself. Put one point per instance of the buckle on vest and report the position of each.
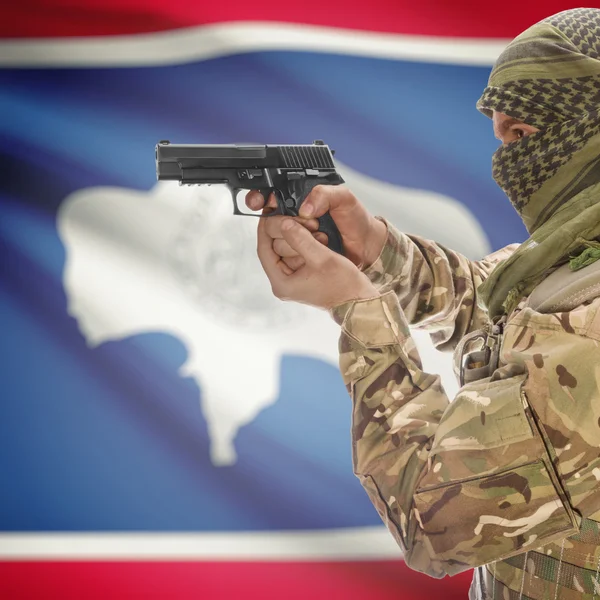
(482, 362)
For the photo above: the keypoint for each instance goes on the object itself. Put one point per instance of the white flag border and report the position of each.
(206, 42)
(344, 544)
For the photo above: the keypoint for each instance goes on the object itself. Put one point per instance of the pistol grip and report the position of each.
(326, 223)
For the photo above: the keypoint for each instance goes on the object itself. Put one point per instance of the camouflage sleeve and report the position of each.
(482, 478)
(436, 286)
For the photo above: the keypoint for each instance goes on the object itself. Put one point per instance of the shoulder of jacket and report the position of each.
(564, 289)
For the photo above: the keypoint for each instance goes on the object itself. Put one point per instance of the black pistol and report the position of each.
(290, 172)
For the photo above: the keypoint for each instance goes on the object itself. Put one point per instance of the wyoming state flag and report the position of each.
(167, 428)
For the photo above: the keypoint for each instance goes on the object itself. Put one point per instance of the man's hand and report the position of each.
(325, 280)
(363, 235)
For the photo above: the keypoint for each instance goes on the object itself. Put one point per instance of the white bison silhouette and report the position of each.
(175, 260)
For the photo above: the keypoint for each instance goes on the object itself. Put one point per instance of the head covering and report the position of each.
(548, 77)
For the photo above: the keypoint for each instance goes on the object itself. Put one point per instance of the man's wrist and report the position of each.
(375, 242)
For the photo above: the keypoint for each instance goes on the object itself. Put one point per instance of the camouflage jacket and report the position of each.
(513, 462)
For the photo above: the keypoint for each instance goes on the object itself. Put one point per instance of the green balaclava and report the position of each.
(548, 77)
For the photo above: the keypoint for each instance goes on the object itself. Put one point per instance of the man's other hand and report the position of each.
(363, 236)
(326, 278)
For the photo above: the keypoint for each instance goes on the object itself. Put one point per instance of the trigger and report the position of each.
(266, 194)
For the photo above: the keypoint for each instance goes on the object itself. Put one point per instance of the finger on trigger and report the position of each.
(272, 202)
(254, 200)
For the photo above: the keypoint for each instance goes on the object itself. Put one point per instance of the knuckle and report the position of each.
(347, 196)
(342, 196)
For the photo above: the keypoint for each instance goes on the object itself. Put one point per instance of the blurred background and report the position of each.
(167, 429)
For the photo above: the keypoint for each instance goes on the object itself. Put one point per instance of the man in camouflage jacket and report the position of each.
(504, 478)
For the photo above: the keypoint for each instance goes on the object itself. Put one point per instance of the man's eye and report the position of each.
(519, 133)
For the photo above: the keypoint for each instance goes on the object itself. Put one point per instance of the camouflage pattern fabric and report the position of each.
(548, 77)
(510, 466)
(567, 570)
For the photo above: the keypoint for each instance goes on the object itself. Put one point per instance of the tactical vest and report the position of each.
(565, 570)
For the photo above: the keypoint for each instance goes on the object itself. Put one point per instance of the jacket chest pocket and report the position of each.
(484, 414)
